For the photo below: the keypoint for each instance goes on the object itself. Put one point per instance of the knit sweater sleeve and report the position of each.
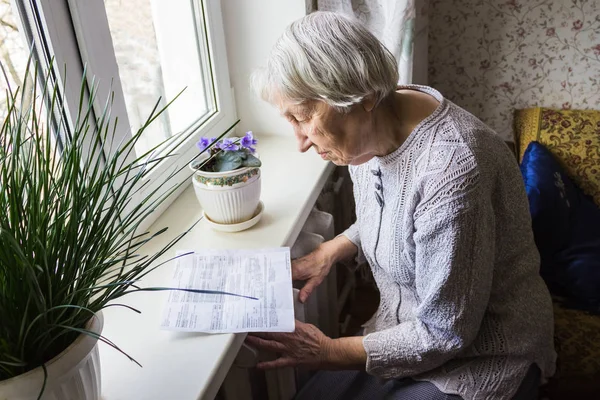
(352, 233)
(454, 259)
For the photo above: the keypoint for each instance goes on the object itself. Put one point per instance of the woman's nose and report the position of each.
(304, 142)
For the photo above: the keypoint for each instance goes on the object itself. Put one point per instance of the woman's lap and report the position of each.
(358, 385)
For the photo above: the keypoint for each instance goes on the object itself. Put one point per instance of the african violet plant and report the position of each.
(228, 154)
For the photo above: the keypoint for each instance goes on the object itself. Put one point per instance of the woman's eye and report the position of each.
(297, 119)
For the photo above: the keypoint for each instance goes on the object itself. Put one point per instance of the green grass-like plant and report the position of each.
(69, 227)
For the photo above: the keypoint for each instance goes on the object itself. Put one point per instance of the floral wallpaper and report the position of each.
(492, 57)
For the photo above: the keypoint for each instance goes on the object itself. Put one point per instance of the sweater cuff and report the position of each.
(379, 357)
(376, 359)
(352, 234)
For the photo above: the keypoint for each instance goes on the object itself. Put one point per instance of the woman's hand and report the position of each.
(306, 346)
(312, 268)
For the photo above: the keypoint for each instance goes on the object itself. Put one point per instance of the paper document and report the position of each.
(264, 276)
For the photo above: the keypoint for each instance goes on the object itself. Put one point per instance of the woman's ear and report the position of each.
(368, 103)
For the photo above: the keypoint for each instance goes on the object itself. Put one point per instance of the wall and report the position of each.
(494, 56)
(421, 44)
(251, 29)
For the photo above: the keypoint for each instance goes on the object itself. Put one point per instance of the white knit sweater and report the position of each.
(444, 223)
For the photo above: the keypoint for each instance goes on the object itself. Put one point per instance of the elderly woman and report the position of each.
(442, 219)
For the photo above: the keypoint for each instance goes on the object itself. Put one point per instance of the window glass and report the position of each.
(160, 48)
(13, 53)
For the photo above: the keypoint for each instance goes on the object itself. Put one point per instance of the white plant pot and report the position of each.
(228, 197)
(74, 374)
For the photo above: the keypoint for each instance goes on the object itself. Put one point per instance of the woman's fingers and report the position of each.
(308, 288)
(305, 346)
(264, 344)
(278, 363)
(277, 336)
(311, 269)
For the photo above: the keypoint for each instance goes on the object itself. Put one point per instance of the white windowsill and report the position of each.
(186, 365)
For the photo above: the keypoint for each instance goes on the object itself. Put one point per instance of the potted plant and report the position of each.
(69, 239)
(227, 179)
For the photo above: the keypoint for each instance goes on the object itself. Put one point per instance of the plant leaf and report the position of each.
(73, 199)
(228, 161)
(251, 161)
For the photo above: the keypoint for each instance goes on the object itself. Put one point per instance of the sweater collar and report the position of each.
(424, 124)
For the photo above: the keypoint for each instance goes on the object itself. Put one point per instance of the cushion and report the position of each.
(576, 330)
(577, 341)
(573, 136)
(566, 227)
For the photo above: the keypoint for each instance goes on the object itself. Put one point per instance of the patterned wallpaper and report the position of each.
(492, 56)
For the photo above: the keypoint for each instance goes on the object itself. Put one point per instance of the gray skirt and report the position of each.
(358, 385)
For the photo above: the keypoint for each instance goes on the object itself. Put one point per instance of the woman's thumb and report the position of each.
(307, 289)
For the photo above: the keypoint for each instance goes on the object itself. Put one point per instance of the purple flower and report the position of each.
(248, 141)
(204, 143)
(228, 145)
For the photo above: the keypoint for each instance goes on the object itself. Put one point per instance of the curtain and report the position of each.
(399, 24)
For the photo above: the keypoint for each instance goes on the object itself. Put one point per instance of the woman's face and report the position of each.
(337, 137)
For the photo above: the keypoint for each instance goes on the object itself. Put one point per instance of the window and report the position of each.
(13, 52)
(14, 56)
(160, 48)
(140, 51)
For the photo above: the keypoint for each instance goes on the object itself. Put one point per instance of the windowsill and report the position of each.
(193, 365)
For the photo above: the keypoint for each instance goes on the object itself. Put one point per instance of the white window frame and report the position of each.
(43, 25)
(92, 46)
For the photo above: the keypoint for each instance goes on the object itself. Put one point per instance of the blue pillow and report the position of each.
(566, 227)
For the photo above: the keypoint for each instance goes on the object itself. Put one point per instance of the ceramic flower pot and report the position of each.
(74, 374)
(228, 197)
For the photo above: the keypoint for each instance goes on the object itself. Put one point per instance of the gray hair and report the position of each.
(329, 57)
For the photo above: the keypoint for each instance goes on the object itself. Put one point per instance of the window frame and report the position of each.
(58, 36)
(43, 25)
